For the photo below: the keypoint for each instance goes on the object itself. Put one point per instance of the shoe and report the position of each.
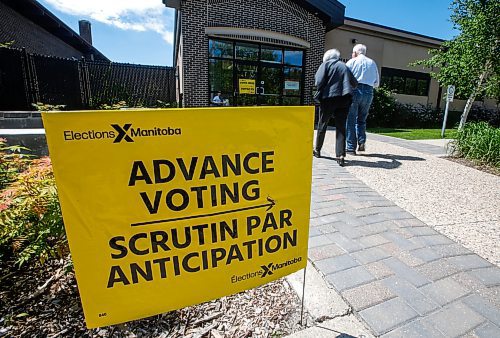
(361, 147)
(350, 152)
(341, 161)
(316, 153)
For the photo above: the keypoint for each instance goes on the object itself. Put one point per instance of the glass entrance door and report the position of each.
(245, 84)
(270, 85)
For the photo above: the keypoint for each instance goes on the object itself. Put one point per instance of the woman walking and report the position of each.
(335, 84)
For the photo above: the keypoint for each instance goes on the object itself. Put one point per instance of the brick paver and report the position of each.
(401, 277)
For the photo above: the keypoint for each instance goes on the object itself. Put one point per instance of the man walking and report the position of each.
(365, 71)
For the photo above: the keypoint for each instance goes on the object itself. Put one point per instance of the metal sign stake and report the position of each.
(303, 297)
(449, 98)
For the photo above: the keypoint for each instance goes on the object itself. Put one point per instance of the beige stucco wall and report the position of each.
(387, 52)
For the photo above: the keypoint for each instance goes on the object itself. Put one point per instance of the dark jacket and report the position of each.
(333, 79)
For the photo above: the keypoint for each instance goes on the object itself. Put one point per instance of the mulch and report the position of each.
(482, 167)
(44, 302)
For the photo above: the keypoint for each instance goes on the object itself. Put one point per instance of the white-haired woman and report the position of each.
(336, 84)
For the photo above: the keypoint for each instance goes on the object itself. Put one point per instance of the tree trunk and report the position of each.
(472, 97)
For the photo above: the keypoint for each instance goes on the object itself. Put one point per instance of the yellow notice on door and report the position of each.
(168, 208)
(247, 86)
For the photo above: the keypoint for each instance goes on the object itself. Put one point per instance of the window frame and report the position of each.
(388, 76)
(260, 63)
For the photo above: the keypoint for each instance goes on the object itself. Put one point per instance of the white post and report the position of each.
(450, 93)
(445, 118)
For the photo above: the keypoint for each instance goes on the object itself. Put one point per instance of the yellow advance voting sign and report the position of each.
(168, 208)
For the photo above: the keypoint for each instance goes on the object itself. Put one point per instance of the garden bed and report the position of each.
(482, 167)
(44, 302)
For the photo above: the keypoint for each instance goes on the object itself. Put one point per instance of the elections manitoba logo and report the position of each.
(266, 270)
(120, 133)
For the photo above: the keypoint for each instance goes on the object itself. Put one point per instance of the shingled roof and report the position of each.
(42, 17)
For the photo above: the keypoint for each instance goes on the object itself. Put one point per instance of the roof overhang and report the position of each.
(257, 35)
(386, 32)
(330, 11)
(35, 12)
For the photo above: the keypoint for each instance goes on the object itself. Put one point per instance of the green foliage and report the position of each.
(474, 52)
(6, 44)
(113, 106)
(31, 224)
(123, 104)
(385, 111)
(12, 162)
(478, 114)
(47, 107)
(478, 142)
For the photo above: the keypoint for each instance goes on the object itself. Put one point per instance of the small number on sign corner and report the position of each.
(103, 314)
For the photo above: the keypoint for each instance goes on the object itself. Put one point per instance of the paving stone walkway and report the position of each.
(401, 277)
(420, 147)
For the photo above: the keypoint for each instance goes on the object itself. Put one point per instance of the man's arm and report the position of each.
(350, 63)
(377, 77)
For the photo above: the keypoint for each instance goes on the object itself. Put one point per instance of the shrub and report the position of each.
(39, 106)
(479, 142)
(12, 162)
(478, 113)
(31, 224)
(384, 109)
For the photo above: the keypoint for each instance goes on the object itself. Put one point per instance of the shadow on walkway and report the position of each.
(341, 334)
(392, 163)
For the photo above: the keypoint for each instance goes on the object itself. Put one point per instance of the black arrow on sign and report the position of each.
(269, 205)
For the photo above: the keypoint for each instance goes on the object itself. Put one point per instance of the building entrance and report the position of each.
(249, 74)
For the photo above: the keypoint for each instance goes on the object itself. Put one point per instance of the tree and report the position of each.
(470, 61)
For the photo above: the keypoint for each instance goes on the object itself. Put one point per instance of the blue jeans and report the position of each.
(356, 120)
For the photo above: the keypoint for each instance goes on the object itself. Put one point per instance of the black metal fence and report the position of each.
(80, 84)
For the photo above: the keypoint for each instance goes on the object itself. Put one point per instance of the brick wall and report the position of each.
(26, 34)
(282, 16)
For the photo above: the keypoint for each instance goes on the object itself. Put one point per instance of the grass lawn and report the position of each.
(413, 134)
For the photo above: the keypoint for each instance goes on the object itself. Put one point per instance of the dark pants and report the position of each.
(337, 107)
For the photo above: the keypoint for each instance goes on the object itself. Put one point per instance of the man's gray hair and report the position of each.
(360, 49)
(331, 54)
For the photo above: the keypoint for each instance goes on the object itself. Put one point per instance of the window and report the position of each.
(294, 57)
(221, 75)
(293, 77)
(249, 73)
(405, 81)
(220, 49)
(270, 54)
(246, 51)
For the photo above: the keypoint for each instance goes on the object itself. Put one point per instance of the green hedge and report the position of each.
(386, 112)
(479, 142)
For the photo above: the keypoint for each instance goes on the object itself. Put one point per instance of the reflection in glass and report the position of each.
(270, 100)
(385, 81)
(294, 57)
(220, 49)
(271, 76)
(411, 86)
(247, 100)
(246, 71)
(423, 88)
(291, 101)
(293, 75)
(398, 84)
(220, 75)
(247, 51)
(270, 54)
